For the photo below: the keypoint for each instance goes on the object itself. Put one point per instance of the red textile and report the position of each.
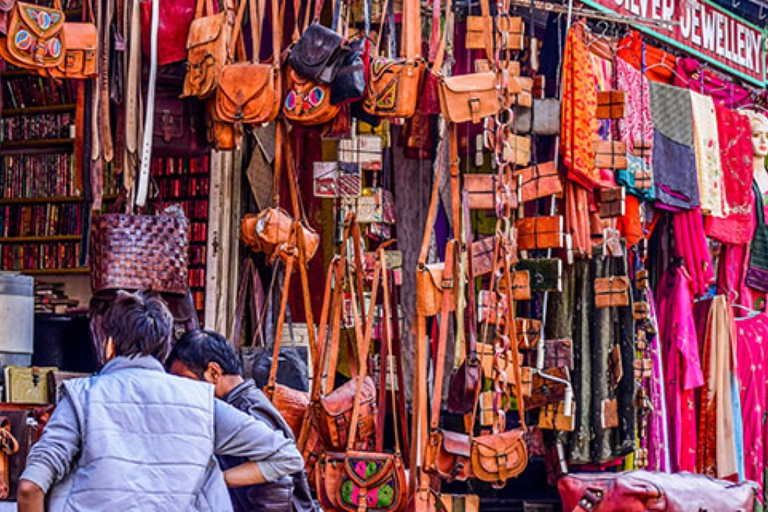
(659, 65)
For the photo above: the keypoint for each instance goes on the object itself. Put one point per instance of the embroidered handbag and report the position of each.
(308, 103)
(540, 233)
(81, 51)
(540, 180)
(611, 292)
(208, 43)
(394, 83)
(250, 92)
(36, 38)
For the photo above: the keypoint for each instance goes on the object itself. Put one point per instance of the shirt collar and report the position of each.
(122, 362)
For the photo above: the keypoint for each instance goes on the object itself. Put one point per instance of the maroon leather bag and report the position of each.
(175, 18)
(641, 491)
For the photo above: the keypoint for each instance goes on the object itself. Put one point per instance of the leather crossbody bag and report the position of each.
(81, 51)
(610, 154)
(394, 83)
(250, 92)
(540, 233)
(611, 292)
(210, 35)
(540, 180)
(36, 38)
(611, 104)
(356, 481)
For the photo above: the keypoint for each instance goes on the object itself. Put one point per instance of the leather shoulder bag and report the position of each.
(81, 51)
(394, 84)
(317, 54)
(36, 38)
(173, 27)
(208, 42)
(357, 481)
(250, 92)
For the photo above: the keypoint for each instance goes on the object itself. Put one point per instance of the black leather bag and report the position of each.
(292, 369)
(318, 54)
(349, 84)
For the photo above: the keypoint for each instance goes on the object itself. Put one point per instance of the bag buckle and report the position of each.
(167, 123)
(474, 108)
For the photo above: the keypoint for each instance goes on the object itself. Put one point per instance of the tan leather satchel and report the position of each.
(208, 43)
(472, 97)
(270, 230)
(81, 52)
(250, 92)
(394, 83)
(8, 446)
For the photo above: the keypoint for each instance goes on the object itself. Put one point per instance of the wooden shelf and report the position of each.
(43, 109)
(42, 200)
(39, 239)
(44, 271)
(37, 143)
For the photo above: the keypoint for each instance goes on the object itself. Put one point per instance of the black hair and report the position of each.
(139, 324)
(198, 347)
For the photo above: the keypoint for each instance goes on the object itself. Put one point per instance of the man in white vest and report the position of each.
(134, 438)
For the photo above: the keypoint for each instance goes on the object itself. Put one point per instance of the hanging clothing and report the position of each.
(674, 162)
(691, 245)
(577, 223)
(735, 136)
(578, 121)
(659, 65)
(637, 123)
(707, 147)
(717, 450)
(658, 425)
(751, 352)
(691, 75)
(682, 366)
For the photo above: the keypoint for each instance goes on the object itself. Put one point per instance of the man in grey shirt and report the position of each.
(134, 438)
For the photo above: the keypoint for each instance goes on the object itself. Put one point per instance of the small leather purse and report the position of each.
(558, 353)
(516, 149)
(546, 116)
(553, 417)
(540, 233)
(81, 52)
(528, 332)
(483, 252)
(509, 29)
(447, 455)
(316, 56)
(495, 458)
(207, 48)
(489, 192)
(546, 273)
(611, 292)
(519, 92)
(308, 103)
(611, 104)
(642, 147)
(540, 180)
(545, 391)
(610, 154)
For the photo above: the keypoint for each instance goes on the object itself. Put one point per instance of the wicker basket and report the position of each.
(140, 252)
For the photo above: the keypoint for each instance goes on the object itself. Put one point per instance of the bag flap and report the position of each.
(382, 65)
(534, 226)
(455, 443)
(511, 24)
(369, 469)
(206, 29)
(341, 400)
(81, 36)
(474, 82)
(242, 81)
(44, 22)
(545, 170)
(477, 23)
(289, 398)
(525, 83)
(435, 271)
(480, 183)
(316, 45)
(493, 449)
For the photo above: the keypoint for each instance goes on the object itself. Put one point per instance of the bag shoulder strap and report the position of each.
(387, 341)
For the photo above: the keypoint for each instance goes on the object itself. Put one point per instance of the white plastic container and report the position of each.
(17, 313)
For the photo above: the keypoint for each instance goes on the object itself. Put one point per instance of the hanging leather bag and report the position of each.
(250, 92)
(81, 51)
(308, 103)
(318, 53)
(394, 83)
(208, 42)
(357, 481)
(36, 38)
(173, 27)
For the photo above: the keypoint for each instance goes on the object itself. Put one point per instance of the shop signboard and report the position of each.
(703, 29)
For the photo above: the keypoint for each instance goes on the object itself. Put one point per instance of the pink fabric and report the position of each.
(732, 269)
(752, 348)
(735, 136)
(658, 427)
(637, 124)
(689, 76)
(681, 365)
(691, 245)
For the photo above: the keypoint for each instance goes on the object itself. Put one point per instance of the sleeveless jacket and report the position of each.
(147, 443)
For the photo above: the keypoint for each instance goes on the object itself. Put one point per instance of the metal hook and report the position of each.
(735, 3)
(760, 13)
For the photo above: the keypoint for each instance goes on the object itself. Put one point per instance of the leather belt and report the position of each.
(146, 146)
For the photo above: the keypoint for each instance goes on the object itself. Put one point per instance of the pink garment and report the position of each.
(681, 365)
(637, 123)
(735, 136)
(691, 245)
(657, 443)
(732, 269)
(752, 348)
(689, 76)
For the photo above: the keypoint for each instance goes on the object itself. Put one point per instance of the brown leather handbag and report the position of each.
(356, 481)
(646, 490)
(250, 92)
(271, 229)
(540, 180)
(36, 38)
(610, 154)
(612, 292)
(210, 35)
(497, 192)
(394, 83)
(81, 52)
(308, 103)
(540, 233)
(611, 104)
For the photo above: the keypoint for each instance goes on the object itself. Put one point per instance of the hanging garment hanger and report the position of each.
(568, 398)
(751, 313)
